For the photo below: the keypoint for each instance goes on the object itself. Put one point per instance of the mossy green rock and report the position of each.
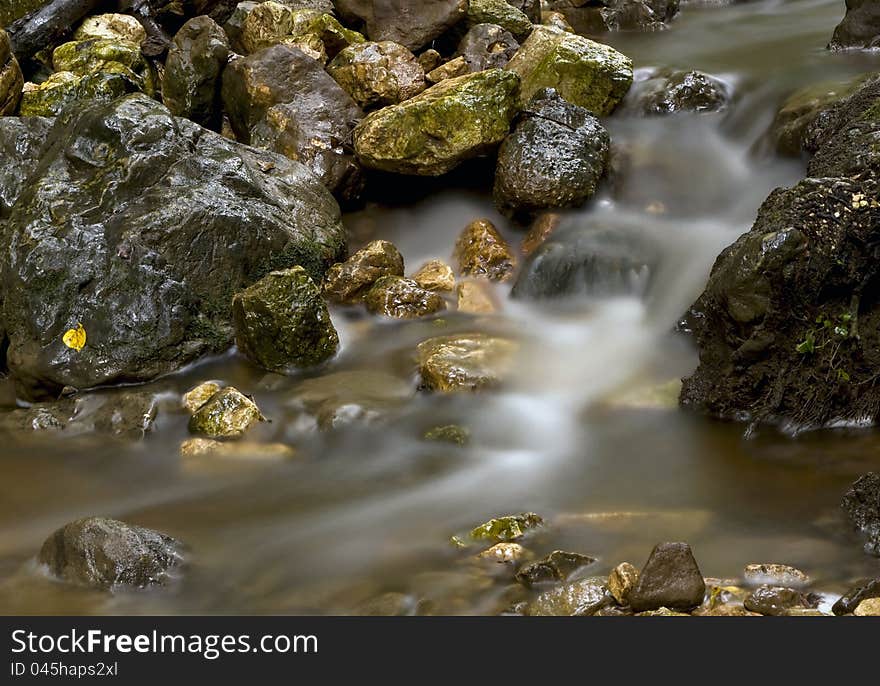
(228, 413)
(433, 132)
(507, 528)
(583, 72)
(140, 227)
(449, 433)
(282, 322)
(316, 33)
(114, 56)
(383, 73)
(501, 13)
(48, 98)
(11, 80)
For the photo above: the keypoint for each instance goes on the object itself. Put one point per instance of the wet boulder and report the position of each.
(481, 251)
(502, 529)
(348, 282)
(775, 601)
(554, 158)
(667, 91)
(435, 275)
(282, 100)
(196, 59)
(112, 26)
(106, 554)
(501, 13)
(465, 362)
(432, 133)
(378, 74)
(487, 46)
(11, 80)
(106, 56)
(860, 27)
(795, 117)
(62, 88)
(861, 503)
(317, 34)
(197, 396)
(670, 579)
(616, 15)
(413, 24)
(850, 600)
(21, 139)
(228, 413)
(578, 599)
(131, 236)
(587, 260)
(585, 73)
(401, 298)
(281, 322)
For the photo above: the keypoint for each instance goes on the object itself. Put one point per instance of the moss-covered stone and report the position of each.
(449, 433)
(111, 26)
(433, 132)
(316, 33)
(465, 362)
(11, 80)
(62, 88)
(584, 72)
(501, 13)
(111, 56)
(505, 529)
(227, 414)
(106, 554)
(378, 74)
(191, 85)
(402, 298)
(282, 322)
(348, 282)
(435, 275)
(481, 251)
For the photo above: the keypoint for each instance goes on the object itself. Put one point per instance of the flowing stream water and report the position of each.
(368, 508)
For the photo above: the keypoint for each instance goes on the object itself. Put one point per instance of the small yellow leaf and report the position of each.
(75, 338)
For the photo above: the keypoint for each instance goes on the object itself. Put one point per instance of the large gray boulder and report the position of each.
(413, 23)
(860, 27)
(128, 240)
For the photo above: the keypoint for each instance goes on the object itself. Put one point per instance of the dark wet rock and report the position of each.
(20, 141)
(557, 566)
(448, 70)
(281, 322)
(435, 131)
(585, 73)
(402, 298)
(106, 554)
(11, 80)
(283, 100)
(622, 580)
(48, 23)
(860, 27)
(413, 24)
(616, 15)
(861, 503)
(504, 529)
(465, 362)
(579, 260)
(777, 600)
(228, 413)
(169, 220)
(191, 85)
(670, 578)
(487, 46)
(850, 600)
(578, 599)
(62, 88)
(449, 433)
(353, 396)
(348, 282)
(667, 91)
(501, 13)
(481, 251)
(555, 157)
(378, 74)
(788, 132)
